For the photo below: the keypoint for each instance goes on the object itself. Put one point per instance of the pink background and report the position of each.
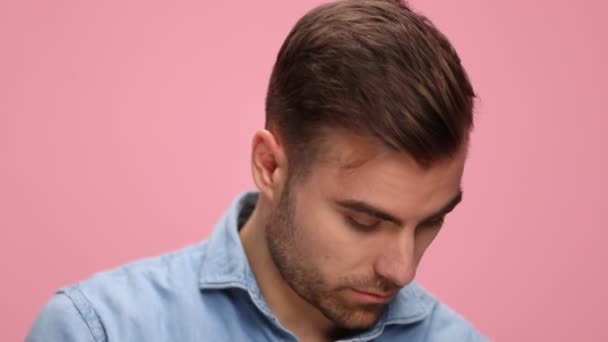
(125, 131)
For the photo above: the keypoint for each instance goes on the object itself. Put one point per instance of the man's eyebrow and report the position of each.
(371, 210)
(368, 209)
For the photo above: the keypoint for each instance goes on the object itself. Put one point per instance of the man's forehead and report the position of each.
(345, 153)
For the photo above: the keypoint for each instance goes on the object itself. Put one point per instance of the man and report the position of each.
(368, 115)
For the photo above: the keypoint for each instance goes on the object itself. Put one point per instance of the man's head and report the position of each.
(368, 116)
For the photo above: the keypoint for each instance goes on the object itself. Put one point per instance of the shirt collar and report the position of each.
(226, 266)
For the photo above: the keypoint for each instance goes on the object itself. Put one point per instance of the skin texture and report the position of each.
(314, 246)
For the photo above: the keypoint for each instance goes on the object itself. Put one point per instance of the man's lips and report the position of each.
(373, 296)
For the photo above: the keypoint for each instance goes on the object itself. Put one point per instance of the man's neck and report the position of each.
(292, 311)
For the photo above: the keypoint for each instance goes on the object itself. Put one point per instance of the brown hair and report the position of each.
(373, 67)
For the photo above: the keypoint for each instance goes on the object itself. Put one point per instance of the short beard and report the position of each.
(282, 234)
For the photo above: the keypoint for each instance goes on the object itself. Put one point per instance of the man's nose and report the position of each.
(397, 262)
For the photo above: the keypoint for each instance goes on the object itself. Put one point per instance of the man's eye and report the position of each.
(362, 224)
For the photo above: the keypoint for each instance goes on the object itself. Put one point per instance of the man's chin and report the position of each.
(357, 318)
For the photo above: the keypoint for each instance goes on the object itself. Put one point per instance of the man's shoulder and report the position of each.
(441, 322)
(141, 291)
(148, 279)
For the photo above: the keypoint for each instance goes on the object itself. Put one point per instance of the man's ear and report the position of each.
(268, 164)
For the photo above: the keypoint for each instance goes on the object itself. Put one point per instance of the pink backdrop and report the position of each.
(125, 130)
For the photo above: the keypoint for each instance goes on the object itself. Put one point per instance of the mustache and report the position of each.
(376, 283)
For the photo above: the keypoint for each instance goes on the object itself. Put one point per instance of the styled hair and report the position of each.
(374, 68)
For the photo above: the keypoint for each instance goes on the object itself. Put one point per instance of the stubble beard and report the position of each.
(290, 258)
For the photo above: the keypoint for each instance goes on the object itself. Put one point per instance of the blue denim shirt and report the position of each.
(207, 292)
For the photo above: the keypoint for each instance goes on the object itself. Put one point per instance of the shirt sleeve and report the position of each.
(60, 321)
